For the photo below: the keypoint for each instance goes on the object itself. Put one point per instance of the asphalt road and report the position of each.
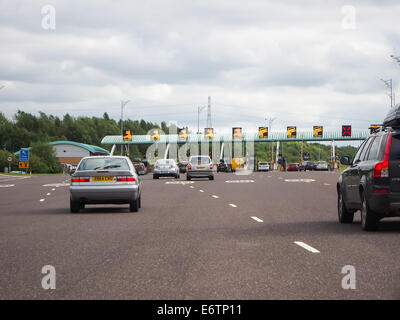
(231, 238)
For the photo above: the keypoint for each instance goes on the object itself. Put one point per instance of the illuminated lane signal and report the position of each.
(346, 131)
(155, 135)
(374, 128)
(318, 131)
(23, 164)
(127, 135)
(291, 132)
(263, 132)
(237, 133)
(209, 133)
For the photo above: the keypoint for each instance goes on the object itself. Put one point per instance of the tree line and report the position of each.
(29, 130)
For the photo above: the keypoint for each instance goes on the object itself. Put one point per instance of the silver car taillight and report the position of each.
(126, 179)
(79, 180)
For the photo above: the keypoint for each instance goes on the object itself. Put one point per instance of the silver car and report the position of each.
(321, 165)
(200, 167)
(165, 168)
(101, 180)
(263, 166)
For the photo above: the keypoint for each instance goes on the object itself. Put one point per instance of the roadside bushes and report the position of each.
(4, 154)
(43, 158)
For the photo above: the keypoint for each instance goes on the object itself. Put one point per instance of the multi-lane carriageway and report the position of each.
(260, 236)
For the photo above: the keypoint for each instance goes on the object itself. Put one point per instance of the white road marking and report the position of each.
(62, 184)
(214, 196)
(257, 219)
(300, 180)
(306, 246)
(53, 189)
(6, 185)
(239, 181)
(48, 194)
(327, 184)
(41, 200)
(233, 205)
(201, 190)
(192, 187)
(179, 182)
(11, 178)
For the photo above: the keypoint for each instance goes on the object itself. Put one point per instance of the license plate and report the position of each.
(102, 179)
(200, 167)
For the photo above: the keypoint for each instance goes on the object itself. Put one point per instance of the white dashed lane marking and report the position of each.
(257, 219)
(306, 246)
(201, 190)
(48, 194)
(233, 205)
(214, 196)
(41, 200)
(6, 185)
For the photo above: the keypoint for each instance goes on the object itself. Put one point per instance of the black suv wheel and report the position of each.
(344, 215)
(369, 219)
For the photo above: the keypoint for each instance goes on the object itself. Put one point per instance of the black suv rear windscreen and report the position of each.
(395, 148)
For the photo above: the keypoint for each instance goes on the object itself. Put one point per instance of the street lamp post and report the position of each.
(198, 117)
(389, 85)
(123, 104)
(270, 120)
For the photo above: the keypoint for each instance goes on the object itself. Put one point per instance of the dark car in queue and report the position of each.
(371, 183)
(307, 165)
(105, 180)
(222, 166)
(182, 166)
(140, 167)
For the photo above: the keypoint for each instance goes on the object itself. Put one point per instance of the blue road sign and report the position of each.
(24, 155)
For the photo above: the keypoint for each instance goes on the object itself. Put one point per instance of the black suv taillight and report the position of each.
(381, 169)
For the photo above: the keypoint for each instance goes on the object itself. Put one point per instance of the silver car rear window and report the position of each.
(103, 164)
(204, 160)
(165, 162)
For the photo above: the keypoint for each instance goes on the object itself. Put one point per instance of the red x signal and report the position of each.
(346, 131)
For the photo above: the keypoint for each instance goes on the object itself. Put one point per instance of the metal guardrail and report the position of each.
(249, 137)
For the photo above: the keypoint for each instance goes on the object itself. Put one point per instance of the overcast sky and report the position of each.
(302, 62)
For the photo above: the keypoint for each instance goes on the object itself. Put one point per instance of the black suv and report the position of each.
(372, 182)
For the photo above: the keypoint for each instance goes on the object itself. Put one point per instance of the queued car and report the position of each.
(263, 166)
(200, 167)
(140, 168)
(293, 167)
(105, 179)
(182, 166)
(307, 165)
(222, 166)
(321, 166)
(371, 183)
(166, 168)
